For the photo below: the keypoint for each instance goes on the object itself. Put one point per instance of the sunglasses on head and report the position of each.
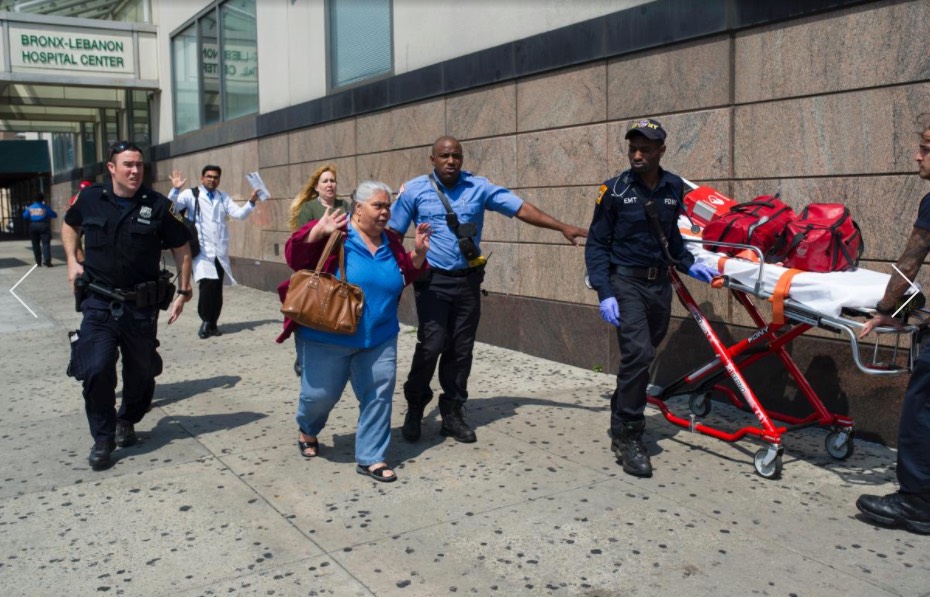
(120, 147)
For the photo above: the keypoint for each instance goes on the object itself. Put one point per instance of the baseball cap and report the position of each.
(647, 127)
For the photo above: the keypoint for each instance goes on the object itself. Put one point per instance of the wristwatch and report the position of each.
(187, 293)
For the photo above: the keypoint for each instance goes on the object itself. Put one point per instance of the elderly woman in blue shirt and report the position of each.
(375, 260)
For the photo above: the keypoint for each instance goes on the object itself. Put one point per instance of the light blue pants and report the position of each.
(325, 369)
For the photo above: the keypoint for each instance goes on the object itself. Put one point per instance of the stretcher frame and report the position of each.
(771, 338)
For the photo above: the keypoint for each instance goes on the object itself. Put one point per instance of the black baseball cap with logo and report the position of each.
(647, 127)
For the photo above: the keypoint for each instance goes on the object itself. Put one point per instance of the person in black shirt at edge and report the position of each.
(125, 227)
(629, 269)
(910, 506)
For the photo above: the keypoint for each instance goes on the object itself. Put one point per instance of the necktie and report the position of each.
(210, 195)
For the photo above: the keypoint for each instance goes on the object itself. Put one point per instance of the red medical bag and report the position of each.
(705, 204)
(823, 239)
(758, 222)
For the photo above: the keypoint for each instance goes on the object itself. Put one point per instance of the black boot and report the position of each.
(99, 457)
(453, 421)
(630, 451)
(415, 408)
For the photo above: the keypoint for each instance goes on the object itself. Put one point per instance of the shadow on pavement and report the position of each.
(169, 393)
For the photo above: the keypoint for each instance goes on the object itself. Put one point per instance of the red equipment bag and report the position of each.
(758, 222)
(824, 239)
(705, 204)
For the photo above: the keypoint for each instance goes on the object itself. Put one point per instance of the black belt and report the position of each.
(114, 294)
(455, 273)
(643, 273)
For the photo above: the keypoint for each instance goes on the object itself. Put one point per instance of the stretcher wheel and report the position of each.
(700, 404)
(771, 470)
(840, 444)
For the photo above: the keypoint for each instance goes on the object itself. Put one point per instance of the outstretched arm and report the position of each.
(531, 214)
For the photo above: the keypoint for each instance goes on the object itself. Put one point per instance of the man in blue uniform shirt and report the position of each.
(39, 215)
(448, 298)
(125, 227)
(628, 267)
(910, 506)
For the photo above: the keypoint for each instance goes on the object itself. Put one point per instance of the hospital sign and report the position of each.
(101, 51)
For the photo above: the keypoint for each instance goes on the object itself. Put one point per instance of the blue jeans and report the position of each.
(325, 369)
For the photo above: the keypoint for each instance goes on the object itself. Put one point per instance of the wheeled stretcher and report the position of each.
(800, 302)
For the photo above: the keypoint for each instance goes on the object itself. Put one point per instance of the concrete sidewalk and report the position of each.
(216, 500)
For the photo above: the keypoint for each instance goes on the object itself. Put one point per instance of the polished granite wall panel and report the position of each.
(407, 126)
(552, 272)
(486, 112)
(492, 158)
(854, 133)
(273, 151)
(566, 98)
(273, 242)
(569, 156)
(324, 142)
(392, 167)
(572, 205)
(684, 77)
(278, 181)
(697, 146)
(873, 45)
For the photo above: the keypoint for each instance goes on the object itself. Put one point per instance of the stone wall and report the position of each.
(819, 108)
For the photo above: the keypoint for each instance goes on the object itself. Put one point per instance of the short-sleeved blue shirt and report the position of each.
(470, 197)
(923, 213)
(381, 280)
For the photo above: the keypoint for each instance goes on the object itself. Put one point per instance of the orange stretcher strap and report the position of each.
(778, 295)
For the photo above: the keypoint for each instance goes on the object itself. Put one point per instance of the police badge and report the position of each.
(145, 212)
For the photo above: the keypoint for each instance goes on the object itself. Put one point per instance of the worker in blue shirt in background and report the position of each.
(39, 216)
(628, 267)
(448, 297)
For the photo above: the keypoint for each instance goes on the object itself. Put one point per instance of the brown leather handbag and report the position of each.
(322, 301)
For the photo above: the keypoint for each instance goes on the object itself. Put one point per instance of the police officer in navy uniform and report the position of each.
(39, 215)
(125, 227)
(629, 269)
(910, 506)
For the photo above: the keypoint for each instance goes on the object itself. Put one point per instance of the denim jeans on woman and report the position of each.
(325, 369)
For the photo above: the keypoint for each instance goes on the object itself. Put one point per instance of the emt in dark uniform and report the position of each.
(910, 506)
(629, 269)
(448, 297)
(39, 215)
(125, 227)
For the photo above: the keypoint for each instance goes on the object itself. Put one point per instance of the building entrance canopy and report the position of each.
(60, 72)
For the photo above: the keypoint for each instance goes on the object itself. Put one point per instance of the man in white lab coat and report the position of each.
(208, 208)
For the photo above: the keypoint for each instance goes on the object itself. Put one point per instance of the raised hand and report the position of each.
(421, 239)
(177, 179)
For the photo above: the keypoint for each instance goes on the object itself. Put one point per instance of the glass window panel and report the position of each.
(212, 110)
(240, 57)
(139, 118)
(186, 86)
(360, 40)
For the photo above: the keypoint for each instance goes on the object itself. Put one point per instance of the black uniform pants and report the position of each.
(102, 339)
(41, 234)
(448, 309)
(914, 429)
(645, 309)
(210, 300)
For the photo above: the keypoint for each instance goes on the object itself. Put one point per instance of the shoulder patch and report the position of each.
(175, 213)
(600, 194)
(403, 187)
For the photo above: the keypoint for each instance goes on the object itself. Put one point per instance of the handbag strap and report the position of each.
(328, 249)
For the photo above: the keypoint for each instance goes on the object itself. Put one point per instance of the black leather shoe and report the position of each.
(453, 422)
(411, 428)
(897, 510)
(125, 435)
(48, 264)
(99, 457)
(204, 332)
(215, 331)
(630, 451)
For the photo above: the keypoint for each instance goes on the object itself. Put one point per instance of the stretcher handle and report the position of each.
(757, 288)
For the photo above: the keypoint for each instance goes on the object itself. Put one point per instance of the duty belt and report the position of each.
(115, 294)
(455, 273)
(643, 273)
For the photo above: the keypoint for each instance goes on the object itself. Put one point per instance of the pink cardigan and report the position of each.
(300, 254)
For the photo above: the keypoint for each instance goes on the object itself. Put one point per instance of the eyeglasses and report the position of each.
(121, 146)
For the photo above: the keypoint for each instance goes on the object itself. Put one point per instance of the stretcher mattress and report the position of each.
(826, 293)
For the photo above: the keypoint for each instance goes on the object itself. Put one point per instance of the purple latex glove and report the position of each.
(610, 311)
(701, 272)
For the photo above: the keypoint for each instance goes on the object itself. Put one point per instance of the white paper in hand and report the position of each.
(255, 181)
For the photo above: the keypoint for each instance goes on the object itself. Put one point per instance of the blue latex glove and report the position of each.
(610, 311)
(701, 272)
